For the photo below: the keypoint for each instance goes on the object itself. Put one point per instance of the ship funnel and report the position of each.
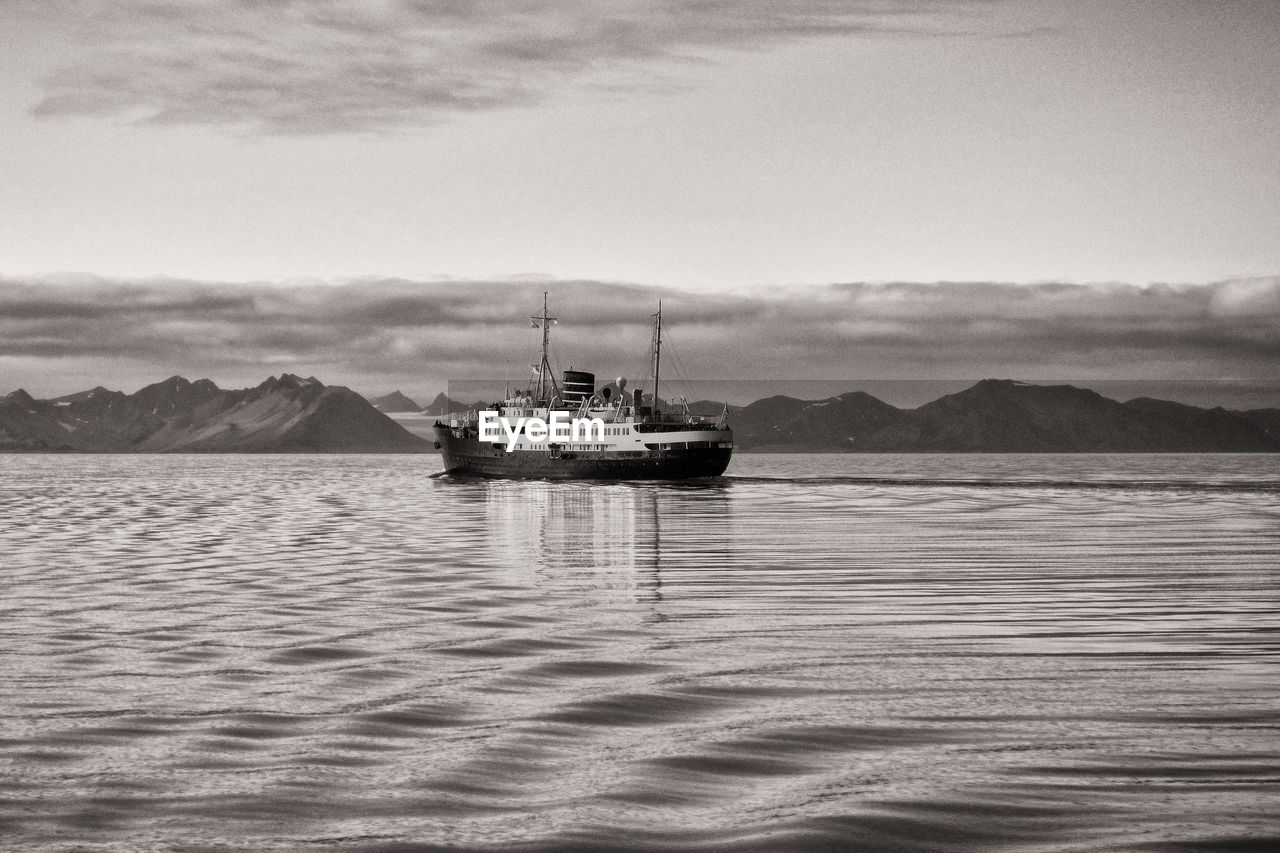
(578, 386)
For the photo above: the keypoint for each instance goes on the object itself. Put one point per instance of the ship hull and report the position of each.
(467, 456)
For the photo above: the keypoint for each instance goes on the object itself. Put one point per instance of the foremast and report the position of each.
(657, 353)
(546, 387)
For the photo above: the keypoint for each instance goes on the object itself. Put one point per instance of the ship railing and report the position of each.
(462, 419)
(675, 418)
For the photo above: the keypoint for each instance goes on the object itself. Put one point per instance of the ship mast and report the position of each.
(544, 369)
(657, 352)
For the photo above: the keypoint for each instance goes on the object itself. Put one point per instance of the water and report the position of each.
(816, 652)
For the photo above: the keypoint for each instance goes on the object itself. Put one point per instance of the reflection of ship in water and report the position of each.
(615, 540)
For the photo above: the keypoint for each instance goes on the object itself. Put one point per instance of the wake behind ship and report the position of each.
(627, 435)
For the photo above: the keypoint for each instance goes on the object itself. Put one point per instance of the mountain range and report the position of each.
(998, 415)
(291, 414)
(284, 414)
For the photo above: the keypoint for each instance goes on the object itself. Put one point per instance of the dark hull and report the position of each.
(470, 457)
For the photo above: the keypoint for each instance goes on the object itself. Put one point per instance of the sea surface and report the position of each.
(863, 652)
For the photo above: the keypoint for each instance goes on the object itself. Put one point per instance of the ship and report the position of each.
(625, 434)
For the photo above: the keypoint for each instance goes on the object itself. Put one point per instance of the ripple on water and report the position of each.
(814, 653)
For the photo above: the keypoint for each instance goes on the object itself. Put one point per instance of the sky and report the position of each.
(770, 156)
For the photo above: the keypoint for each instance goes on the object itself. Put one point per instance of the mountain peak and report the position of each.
(443, 404)
(860, 397)
(395, 402)
(171, 385)
(999, 385)
(290, 381)
(21, 397)
(1019, 389)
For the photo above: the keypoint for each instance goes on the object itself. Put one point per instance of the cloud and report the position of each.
(321, 66)
(59, 336)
